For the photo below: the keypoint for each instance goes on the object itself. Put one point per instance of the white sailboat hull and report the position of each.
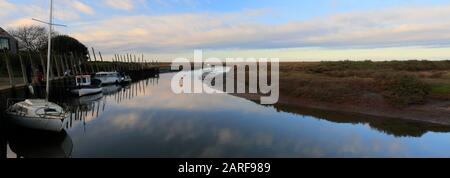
(53, 125)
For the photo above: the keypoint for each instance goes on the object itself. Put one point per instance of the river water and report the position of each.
(146, 119)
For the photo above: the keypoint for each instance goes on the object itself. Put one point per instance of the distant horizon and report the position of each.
(313, 55)
(323, 30)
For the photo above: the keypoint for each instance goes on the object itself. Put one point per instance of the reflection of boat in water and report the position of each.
(111, 89)
(85, 100)
(35, 144)
(37, 114)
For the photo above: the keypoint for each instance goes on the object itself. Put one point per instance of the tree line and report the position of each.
(34, 38)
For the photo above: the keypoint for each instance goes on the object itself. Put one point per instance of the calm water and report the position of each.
(146, 119)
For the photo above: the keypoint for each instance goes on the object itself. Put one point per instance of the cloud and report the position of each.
(393, 27)
(67, 15)
(82, 8)
(171, 3)
(398, 27)
(120, 4)
(6, 7)
(28, 11)
(64, 11)
(425, 26)
(22, 22)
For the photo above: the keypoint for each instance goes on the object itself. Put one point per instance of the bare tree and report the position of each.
(31, 38)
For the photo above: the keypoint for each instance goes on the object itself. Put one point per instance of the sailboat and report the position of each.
(40, 114)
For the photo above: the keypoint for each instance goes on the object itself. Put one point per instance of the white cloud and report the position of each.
(395, 27)
(169, 3)
(82, 8)
(23, 13)
(22, 22)
(120, 4)
(27, 12)
(6, 7)
(388, 28)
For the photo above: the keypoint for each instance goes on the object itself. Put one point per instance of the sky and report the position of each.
(303, 30)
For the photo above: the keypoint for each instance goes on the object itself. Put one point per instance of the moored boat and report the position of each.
(38, 114)
(85, 86)
(108, 77)
(125, 79)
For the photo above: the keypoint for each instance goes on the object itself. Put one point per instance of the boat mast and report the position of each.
(49, 49)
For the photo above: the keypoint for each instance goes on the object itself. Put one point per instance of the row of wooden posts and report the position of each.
(126, 62)
(73, 64)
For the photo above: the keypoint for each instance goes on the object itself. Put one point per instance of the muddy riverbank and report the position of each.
(436, 112)
(412, 90)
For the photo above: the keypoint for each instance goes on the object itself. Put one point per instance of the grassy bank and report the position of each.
(410, 90)
(397, 83)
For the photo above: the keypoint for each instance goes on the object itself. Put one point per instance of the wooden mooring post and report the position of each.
(44, 70)
(22, 67)
(90, 62)
(115, 62)
(122, 63)
(95, 59)
(58, 70)
(63, 69)
(72, 63)
(67, 63)
(10, 71)
(135, 62)
(84, 63)
(52, 75)
(78, 63)
(33, 69)
(127, 62)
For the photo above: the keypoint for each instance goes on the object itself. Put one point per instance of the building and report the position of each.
(8, 42)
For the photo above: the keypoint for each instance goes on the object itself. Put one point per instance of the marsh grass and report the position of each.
(401, 83)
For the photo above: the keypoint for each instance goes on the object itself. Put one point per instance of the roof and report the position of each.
(4, 33)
